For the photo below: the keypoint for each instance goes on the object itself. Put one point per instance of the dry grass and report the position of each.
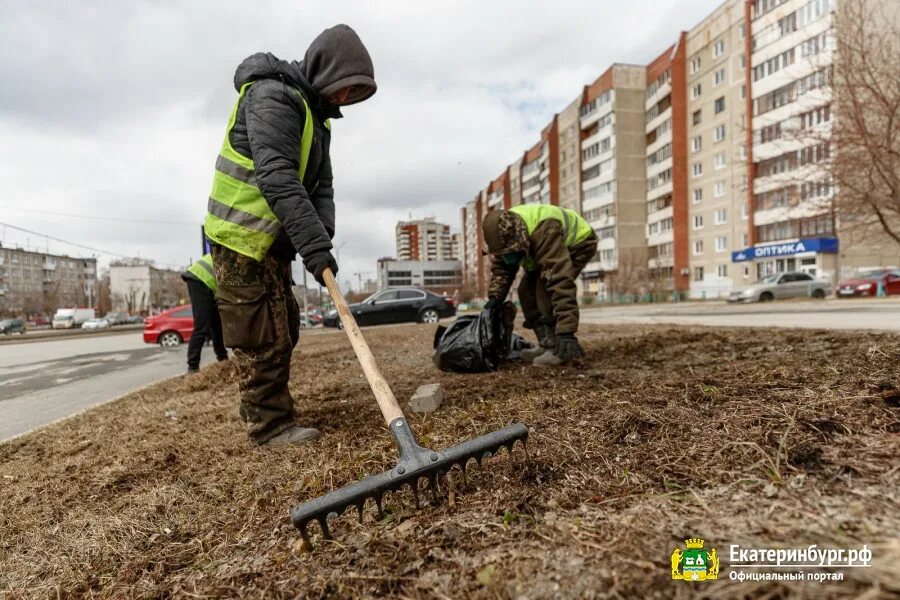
(754, 437)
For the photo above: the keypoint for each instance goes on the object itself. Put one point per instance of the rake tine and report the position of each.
(359, 508)
(305, 535)
(326, 533)
(432, 484)
(378, 506)
(414, 486)
(525, 450)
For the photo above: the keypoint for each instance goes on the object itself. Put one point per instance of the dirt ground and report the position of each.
(763, 438)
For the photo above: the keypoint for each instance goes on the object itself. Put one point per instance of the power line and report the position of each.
(82, 246)
(95, 218)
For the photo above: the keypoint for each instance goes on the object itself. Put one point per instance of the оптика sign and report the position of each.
(821, 244)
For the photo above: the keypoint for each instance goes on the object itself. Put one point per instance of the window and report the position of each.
(696, 117)
(183, 314)
(658, 83)
(719, 77)
(722, 243)
(698, 221)
(413, 294)
(660, 155)
(743, 91)
(698, 247)
(743, 62)
(698, 195)
(742, 151)
(697, 169)
(698, 273)
(719, 133)
(607, 233)
(695, 64)
(721, 216)
(659, 179)
(696, 90)
(719, 189)
(719, 161)
(746, 269)
(744, 212)
(720, 104)
(697, 143)
(722, 270)
(746, 239)
(718, 48)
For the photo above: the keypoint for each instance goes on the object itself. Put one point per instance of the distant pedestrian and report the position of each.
(201, 283)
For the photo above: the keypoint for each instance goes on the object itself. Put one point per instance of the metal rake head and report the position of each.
(415, 463)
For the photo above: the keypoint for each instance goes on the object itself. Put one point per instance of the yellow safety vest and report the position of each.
(238, 216)
(203, 270)
(575, 228)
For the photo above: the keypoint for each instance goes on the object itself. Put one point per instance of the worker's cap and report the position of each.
(504, 232)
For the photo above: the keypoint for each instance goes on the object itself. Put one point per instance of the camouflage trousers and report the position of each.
(533, 294)
(261, 323)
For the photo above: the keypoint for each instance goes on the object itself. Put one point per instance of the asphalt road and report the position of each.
(881, 314)
(44, 381)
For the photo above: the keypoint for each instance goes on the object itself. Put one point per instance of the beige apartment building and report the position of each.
(613, 178)
(718, 216)
(33, 283)
(569, 156)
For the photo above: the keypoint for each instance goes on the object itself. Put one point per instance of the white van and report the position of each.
(69, 318)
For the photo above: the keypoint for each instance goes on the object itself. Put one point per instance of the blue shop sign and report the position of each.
(822, 244)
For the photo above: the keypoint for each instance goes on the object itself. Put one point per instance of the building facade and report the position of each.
(438, 276)
(718, 212)
(613, 178)
(424, 239)
(666, 131)
(138, 287)
(34, 283)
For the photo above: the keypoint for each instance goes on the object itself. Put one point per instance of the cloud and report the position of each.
(118, 108)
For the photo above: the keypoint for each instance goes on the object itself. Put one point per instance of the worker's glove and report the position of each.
(492, 303)
(567, 347)
(316, 264)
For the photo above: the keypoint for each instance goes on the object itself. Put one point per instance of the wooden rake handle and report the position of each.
(383, 394)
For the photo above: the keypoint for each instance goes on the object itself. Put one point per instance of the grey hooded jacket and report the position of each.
(269, 125)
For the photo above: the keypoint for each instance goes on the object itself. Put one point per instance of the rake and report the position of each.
(415, 463)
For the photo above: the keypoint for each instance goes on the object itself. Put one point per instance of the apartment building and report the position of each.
(718, 215)
(474, 273)
(498, 192)
(795, 223)
(33, 283)
(666, 135)
(613, 177)
(569, 156)
(424, 239)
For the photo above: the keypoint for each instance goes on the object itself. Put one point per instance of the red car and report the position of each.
(171, 327)
(866, 284)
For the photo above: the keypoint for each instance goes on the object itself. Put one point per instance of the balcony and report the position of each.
(49, 265)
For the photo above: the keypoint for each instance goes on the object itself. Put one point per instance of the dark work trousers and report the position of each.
(207, 325)
(261, 323)
(533, 294)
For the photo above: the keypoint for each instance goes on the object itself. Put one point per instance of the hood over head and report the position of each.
(337, 59)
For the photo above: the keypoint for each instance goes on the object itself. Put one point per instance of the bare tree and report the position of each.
(866, 130)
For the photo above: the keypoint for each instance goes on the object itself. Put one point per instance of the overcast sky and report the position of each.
(117, 109)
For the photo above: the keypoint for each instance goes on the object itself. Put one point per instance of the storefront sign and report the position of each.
(822, 244)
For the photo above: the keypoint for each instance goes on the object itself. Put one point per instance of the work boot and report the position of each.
(566, 350)
(193, 370)
(293, 435)
(546, 340)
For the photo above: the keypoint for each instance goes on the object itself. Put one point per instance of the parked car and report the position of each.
(171, 327)
(135, 320)
(792, 284)
(116, 318)
(866, 283)
(397, 306)
(95, 324)
(8, 326)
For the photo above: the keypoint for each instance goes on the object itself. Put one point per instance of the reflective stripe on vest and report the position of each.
(203, 270)
(238, 216)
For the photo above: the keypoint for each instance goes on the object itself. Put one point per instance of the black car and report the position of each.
(397, 306)
(8, 326)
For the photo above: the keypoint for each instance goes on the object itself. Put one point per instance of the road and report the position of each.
(44, 381)
(875, 314)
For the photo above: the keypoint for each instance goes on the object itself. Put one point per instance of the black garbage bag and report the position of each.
(478, 343)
